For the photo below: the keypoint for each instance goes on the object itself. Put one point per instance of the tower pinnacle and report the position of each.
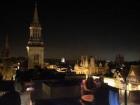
(7, 42)
(36, 18)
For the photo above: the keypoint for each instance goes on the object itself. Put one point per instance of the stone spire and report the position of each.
(35, 29)
(7, 42)
(35, 17)
(35, 46)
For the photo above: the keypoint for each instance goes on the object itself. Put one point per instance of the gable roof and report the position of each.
(134, 71)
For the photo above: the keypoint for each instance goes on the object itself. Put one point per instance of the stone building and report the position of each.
(35, 46)
(90, 66)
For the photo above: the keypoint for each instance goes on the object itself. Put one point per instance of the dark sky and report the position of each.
(72, 28)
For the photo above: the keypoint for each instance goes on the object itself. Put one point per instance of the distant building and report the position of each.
(89, 66)
(133, 85)
(7, 70)
(60, 65)
(35, 46)
(6, 52)
(134, 74)
(119, 59)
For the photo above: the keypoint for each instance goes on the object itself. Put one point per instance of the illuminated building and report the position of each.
(134, 77)
(132, 87)
(88, 66)
(7, 70)
(35, 46)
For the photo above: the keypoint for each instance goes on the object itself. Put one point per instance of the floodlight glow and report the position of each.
(29, 89)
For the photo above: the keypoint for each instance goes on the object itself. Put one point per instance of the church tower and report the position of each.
(35, 46)
(6, 52)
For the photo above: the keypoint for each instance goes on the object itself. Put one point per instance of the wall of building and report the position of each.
(32, 51)
(54, 92)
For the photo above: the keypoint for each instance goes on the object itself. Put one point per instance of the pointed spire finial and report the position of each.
(35, 18)
(7, 42)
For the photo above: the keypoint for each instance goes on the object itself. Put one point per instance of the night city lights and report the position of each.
(69, 52)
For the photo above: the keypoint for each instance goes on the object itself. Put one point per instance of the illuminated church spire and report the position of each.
(35, 29)
(35, 46)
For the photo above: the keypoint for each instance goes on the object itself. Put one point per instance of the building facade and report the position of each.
(35, 46)
(89, 66)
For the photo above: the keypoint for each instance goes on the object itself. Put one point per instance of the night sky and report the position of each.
(72, 28)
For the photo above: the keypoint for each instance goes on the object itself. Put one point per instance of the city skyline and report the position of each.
(74, 28)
